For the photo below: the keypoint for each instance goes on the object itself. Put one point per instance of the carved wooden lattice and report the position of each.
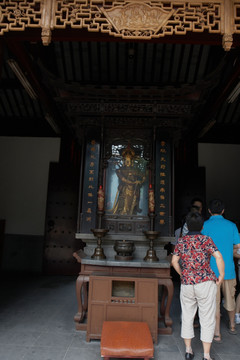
(237, 17)
(130, 19)
(18, 15)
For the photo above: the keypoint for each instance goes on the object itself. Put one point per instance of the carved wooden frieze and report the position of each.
(128, 19)
(140, 19)
(136, 19)
(124, 122)
(129, 108)
(167, 18)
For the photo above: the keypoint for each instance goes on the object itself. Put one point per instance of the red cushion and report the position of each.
(124, 338)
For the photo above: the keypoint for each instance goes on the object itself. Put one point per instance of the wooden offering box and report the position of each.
(121, 298)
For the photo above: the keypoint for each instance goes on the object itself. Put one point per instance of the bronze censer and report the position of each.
(124, 250)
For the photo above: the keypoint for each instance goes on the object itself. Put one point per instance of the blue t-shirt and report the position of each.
(224, 234)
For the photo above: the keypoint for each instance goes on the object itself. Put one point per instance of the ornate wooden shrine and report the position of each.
(126, 197)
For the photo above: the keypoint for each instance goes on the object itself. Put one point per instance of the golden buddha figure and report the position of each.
(130, 180)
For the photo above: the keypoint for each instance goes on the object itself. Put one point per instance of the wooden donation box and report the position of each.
(121, 298)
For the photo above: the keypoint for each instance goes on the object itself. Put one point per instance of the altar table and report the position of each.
(159, 270)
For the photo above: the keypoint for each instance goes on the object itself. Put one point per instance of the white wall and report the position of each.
(222, 163)
(24, 166)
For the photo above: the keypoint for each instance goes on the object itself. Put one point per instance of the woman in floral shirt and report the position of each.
(198, 283)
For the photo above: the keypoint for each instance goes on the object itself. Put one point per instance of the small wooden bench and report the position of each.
(125, 339)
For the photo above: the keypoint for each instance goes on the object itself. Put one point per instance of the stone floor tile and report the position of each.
(45, 353)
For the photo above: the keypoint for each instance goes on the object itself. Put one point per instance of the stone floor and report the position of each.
(36, 323)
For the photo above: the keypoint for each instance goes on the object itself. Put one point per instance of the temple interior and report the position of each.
(115, 115)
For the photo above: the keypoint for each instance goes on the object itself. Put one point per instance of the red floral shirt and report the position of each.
(195, 252)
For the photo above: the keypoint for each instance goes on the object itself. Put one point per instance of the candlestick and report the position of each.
(151, 200)
(100, 198)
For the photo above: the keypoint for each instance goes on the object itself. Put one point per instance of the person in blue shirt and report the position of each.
(224, 234)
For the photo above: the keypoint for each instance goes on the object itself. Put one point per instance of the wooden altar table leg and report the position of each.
(81, 292)
(163, 301)
(168, 290)
(85, 296)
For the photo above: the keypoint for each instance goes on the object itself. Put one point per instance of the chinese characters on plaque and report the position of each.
(90, 186)
(163, 181)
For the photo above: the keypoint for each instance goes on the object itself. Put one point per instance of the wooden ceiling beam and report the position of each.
(69, 34)
(205, 120)
(20, 54)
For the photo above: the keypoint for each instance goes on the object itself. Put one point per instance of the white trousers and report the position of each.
(203, 297)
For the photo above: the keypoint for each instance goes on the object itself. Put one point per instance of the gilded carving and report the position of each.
(46, 21)
(137, 18)
(129, 19)
(46, 36)
(145, 21)
(227, 41)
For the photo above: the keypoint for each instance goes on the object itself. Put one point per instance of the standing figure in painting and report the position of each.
(130, 181)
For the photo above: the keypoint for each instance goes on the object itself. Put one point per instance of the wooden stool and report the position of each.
(125, 339)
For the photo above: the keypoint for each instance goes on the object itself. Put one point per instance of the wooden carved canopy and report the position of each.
(124, 19)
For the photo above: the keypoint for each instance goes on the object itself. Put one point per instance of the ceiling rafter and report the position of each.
(27, 67)
(206, 119)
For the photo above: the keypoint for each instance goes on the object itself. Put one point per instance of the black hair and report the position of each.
(193, 206)
(194, 221)
(216, 206)
(196, 199)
